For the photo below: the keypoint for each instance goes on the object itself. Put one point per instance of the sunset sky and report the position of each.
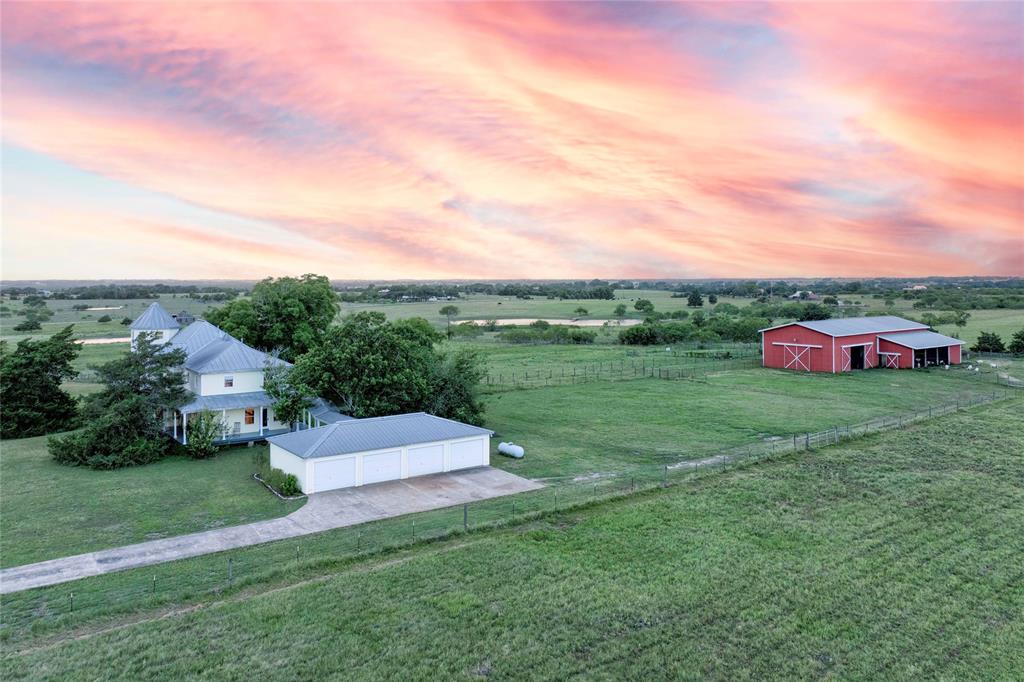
(472, 140)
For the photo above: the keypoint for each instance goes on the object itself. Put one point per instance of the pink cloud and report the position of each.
(542, 140)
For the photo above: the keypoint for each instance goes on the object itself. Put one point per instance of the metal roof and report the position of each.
(211, 349)
(155, 317)
(919, 340)
(228, 354)
(849, 326)
(376, 433)
(195, 336)
(228, 401)
(327, 412)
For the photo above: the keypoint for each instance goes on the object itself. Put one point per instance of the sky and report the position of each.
(497, 141)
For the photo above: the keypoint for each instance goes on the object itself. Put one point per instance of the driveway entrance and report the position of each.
(323, 511)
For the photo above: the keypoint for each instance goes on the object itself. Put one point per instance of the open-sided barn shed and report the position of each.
(852, 343)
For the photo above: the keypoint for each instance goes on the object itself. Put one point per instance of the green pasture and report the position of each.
(895, 556)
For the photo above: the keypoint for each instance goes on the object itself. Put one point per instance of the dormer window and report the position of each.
(229, 382)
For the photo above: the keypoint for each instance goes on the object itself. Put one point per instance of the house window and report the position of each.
(229, 382)
(250, 416)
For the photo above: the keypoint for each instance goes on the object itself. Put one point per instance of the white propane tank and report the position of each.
(511, 449)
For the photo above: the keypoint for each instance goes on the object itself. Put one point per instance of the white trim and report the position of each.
(798, 359)
(804, 345)
(839, 336)
(846, 364)
(889, 364)
(833, 355)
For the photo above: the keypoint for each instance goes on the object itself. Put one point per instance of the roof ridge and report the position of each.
(328, 430)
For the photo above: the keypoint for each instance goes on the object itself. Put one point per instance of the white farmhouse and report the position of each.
(225, 377)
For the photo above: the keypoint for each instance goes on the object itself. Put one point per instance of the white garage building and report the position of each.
(362, 451)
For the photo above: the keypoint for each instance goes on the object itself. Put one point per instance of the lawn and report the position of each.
(603, 428)
(895, 556)
(49, 511)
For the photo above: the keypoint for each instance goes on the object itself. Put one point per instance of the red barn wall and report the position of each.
(817, 359)
(870, 352)
(954, 354)
(906, 354)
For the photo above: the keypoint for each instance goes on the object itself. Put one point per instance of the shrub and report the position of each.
(285, 484)
(1017, 343)
(29, 325)
(988, 342)
(640, 335)
(467, 330)
(204, 428)
(105, 318)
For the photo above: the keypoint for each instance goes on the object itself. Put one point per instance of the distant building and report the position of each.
(804, 296)
(184, 318)
(841, 345)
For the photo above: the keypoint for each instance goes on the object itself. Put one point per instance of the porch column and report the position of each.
(184, 428)
(224, 423)
(261, 419)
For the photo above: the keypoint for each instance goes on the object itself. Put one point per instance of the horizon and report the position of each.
(450, 142)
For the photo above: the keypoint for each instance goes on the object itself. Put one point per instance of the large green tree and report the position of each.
(1017, 343)
(123, 422)
(366, 367)
(370, 367)
(31, 400)
(289, 314)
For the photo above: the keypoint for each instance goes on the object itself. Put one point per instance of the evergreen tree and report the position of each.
(32, 400)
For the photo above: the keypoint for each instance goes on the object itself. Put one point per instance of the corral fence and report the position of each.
(679, 365)
(321, 555)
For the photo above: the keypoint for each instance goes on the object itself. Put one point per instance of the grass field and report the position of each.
(894, 556)
(602, 428)
(85, 321)
(49, 511)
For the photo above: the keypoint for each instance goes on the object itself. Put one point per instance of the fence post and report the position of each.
(465, 517)
(632, 483)
(154, 584)
(665, 479)
(72, 595)
(807, 441)
(230, 570)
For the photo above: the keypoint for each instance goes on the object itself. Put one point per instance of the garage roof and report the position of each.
(919, 340)
(376, 433)
(848, 326)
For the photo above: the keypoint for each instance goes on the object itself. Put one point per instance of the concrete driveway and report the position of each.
(323, 511)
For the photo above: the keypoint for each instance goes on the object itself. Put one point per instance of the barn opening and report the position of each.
(857, 357)
(931, 357)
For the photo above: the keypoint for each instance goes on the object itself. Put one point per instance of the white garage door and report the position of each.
(428, 459)
(385, 466)
(339, 473)
(468, 453)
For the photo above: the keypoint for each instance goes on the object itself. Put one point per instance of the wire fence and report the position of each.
(316, 556)
(678, 365)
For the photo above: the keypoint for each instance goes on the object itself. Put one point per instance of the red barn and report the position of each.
(852, 343)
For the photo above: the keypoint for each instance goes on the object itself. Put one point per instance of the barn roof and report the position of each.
(919, 340)
(154, 318)
(376, 433)
(849, 326)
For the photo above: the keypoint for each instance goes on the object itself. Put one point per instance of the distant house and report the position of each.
(184, 318)
(804, 296)
(225, 377)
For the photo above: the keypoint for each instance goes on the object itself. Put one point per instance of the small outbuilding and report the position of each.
(841, 345)
(357, 452)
